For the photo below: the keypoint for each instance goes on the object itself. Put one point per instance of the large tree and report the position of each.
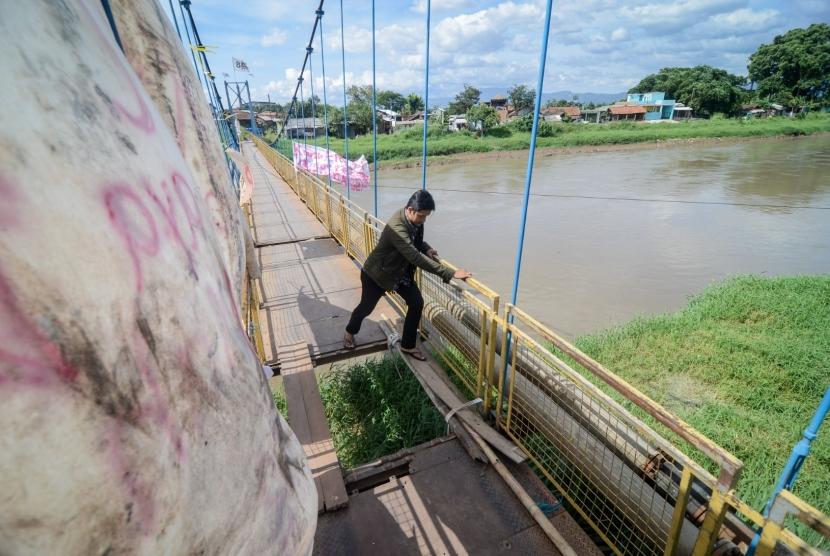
(391, 100)
(414, 103)
(482, 116)
(706, 89)
(522, 98)
(795, 68)
(464, 100)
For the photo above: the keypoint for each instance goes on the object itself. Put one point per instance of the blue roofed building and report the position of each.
(656, 105)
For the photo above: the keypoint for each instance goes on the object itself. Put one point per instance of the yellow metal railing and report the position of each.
(641, 493)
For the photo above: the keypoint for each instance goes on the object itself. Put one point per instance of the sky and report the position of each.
(600, 46)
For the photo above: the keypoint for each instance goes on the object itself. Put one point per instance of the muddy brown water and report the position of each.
(616, 234)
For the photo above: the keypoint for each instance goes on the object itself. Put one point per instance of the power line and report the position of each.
(631, 199)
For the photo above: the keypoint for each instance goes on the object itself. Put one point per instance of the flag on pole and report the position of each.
(240, 65)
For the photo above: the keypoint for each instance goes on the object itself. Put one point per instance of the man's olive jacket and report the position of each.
(395, 251)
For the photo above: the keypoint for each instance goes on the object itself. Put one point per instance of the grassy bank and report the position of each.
(746, 363)
(408, 144)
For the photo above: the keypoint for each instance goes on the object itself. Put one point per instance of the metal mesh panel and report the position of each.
(596, 459)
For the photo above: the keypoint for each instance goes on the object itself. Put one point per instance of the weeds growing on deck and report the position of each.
(377, 408)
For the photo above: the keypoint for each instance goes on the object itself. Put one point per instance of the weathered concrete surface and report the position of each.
(159, 60)
(134, 415)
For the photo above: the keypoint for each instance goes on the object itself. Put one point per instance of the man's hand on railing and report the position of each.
(432, 254)
(462, 274)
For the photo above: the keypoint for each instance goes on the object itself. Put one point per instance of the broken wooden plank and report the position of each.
(428, 374)
(308, 419)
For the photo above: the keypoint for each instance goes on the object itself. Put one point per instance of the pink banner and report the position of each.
(315, 160)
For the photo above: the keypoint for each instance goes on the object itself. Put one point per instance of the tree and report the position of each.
(360, 93)
(705, 89)
(414, 103)
(482, 116)
(522, 98)
(391, 100)
(464, 100)
(795, 67)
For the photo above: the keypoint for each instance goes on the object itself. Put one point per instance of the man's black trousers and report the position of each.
(369, 298)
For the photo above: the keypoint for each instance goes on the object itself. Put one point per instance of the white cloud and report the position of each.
(742, 21)
(619, 34)
(420, 6)
(275, 38)
(485, 30)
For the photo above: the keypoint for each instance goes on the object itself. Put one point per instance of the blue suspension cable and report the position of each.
(175, 19)
(325, 97)
(374, 114)
(530, 157)
(528, 179)
(313, 108)
(189, 47)
(345, 110)
(426, 105)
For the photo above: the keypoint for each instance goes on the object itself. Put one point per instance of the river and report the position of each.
(615, 234)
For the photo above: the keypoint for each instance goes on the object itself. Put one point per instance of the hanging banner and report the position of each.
(315, 160)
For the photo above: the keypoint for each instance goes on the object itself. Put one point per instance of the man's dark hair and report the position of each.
(421, 200)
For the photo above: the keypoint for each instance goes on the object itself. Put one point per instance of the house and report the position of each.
(457, 122)
(388, 120)
(619, 112)
(595, 115)
(682, 112)
(306, 128)
(408, 122)
(758, 111)
(657, 106)
(561, 113)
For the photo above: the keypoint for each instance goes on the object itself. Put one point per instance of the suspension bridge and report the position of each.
(541, 459)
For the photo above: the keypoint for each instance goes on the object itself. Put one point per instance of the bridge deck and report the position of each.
(436, 499)
(309, 288)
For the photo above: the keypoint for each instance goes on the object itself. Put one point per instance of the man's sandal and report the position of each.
(348, 344)
(415, 353)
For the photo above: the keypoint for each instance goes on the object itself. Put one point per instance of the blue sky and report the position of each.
(596, 45)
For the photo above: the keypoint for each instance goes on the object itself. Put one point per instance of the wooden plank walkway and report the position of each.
(308, 420)
(308, 287)
(445, 503)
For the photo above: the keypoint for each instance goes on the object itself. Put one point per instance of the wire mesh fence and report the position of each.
(642, 493)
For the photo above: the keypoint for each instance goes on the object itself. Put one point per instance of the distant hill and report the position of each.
(489, 92)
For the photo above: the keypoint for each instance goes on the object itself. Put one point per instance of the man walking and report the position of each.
(391, 267)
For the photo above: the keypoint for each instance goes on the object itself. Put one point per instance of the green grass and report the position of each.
(408, 144)
(377, 408)
(278, 395)
(746, 363)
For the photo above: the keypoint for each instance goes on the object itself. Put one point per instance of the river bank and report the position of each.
(746, 362)
(404, 148)
(465, 157)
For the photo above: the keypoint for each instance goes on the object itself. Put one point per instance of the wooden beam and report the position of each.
(308, 420)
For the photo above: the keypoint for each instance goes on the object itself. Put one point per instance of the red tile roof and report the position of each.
(623, 110)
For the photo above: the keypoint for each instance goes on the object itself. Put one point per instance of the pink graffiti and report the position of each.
(144, 119)
(34, 359)
(135, 222)
(140, 237)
